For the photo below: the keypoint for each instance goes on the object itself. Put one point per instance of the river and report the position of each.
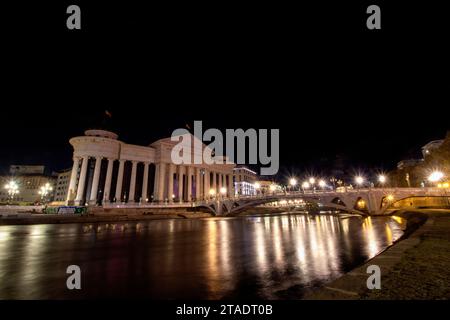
(250, 257)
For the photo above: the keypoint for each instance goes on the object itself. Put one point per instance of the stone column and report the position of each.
(156, 183)
(120, 181)
(206, 185)
(230, 186)
(180, 183)
(73, 179)
(198, 184)
(132, 191)
(170, 182)
(219, 184)
(214, 182)
(108, 180)
(144, 195)
(82, 181)
(95, 181)
(189, 184)
(161, 184)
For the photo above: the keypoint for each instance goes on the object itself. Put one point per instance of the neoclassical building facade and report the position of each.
(107, 170)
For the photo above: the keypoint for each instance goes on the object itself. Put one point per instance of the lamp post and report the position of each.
(322, 184)
(272, 188)
(257, 187)
(223, 192)
(212, 193)
(312, 181)
(435, 176)
(359, 181)
(382, 179)
(292, 183)
(45, 189)
(305, 186)
(13, 189)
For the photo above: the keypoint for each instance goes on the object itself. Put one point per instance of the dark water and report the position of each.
(269, 257)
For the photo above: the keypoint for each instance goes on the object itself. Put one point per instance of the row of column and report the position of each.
(80, 188)
(165, 175)
(186, 177)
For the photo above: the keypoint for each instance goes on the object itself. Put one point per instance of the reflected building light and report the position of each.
(225, 248)
(388, 233)
(398, 219)
(372, 244)
(333, 226)
(260, 248)
(211, 253)
(276, 240)
(37, 230)
(4, 235)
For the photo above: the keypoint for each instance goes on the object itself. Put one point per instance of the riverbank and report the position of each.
(415, 267)
(93, 218)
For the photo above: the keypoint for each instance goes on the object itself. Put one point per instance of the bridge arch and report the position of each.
(237, 206)
(338, 201)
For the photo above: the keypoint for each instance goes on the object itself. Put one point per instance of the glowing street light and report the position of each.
(435, 176)
(12, 188)
(212, 192)
(322, 183)
(390, 198)
(44, 191)
(223, 191)
(292, 183)
(272, 187)
(257, 186)
(382, 179)
(305, 186)
(312, 180)
(359, 180)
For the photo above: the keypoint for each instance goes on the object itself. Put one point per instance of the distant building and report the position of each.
(244, 181)
(431, 146)
(17, 170)
(62, 185)
(408, 163)
(264, 186)
(29, 180)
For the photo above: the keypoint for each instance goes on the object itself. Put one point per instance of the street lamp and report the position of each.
(223, 191)
(293, 183)
(322, 184)
(13, 189)
(435, 176)
(359, 180)
(212, 193)
(382, 179)
(257, 186)
(45, 189)
(305, 186)
(312, 181)
(272, 188)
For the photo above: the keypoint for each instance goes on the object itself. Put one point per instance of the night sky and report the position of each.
(333, 88)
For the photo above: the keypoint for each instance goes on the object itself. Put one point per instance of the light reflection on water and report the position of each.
(268, 257)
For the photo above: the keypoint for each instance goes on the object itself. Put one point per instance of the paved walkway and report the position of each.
(415, 268)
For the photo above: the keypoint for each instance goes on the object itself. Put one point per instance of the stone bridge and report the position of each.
(373, 201)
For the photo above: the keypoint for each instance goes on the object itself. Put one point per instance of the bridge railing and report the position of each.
(287, 194)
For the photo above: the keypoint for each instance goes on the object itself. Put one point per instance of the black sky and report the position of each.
(314, 72)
